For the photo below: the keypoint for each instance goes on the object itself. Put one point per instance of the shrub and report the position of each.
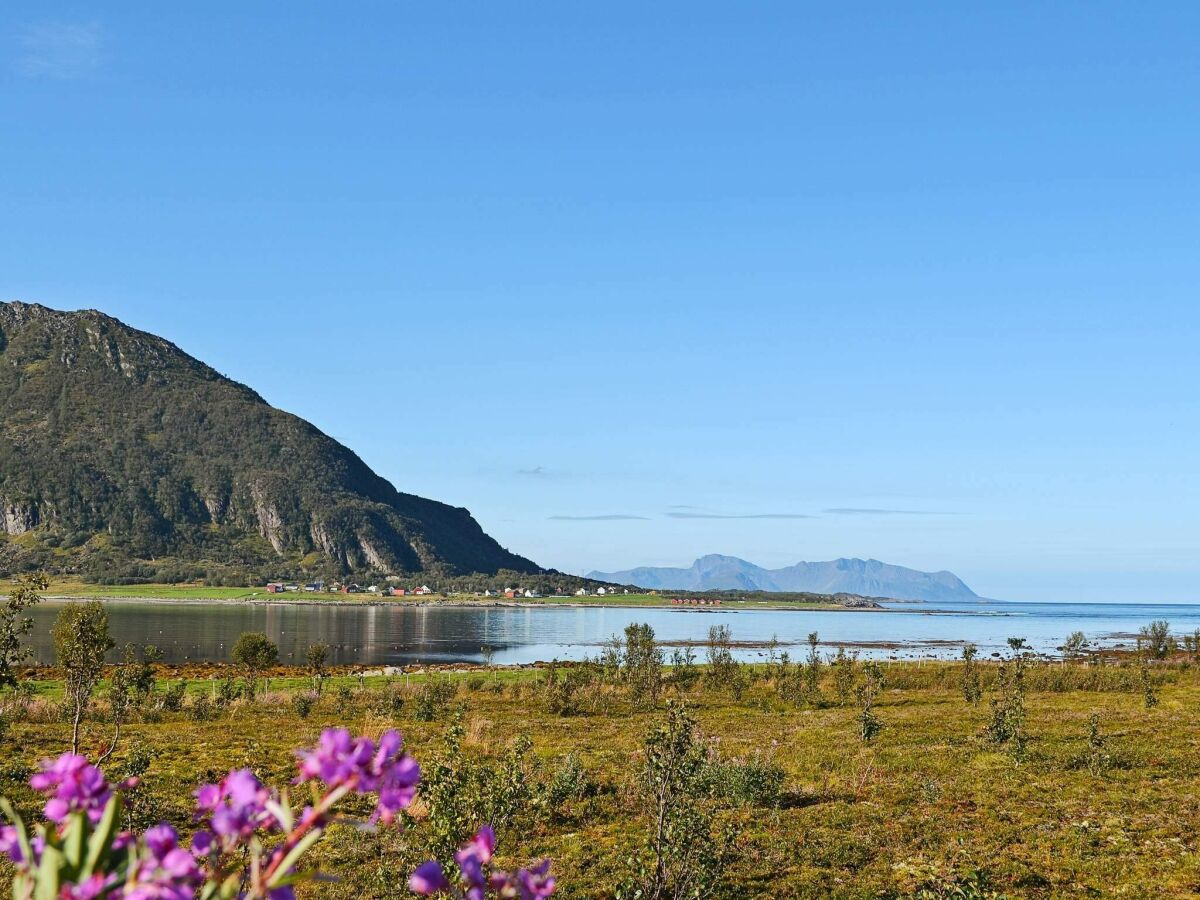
(389, 701)
(254, 652)
(1007, 725)
(681, 856)
(317, 655)
(14, 624)
(972, 690)
(568, 782)
(869, 724)
(172, 698)
(722, 667)
(303, 703)
(643, 660)
(752, 782)
(845, 670)
(433, 699)
(80, 642)
(1155, 639)
(201, 708)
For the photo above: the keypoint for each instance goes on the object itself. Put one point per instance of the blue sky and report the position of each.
(638, 282)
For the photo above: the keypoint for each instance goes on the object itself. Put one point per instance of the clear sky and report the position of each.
(637, 282)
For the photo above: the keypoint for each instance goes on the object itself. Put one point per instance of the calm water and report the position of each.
(385, 634)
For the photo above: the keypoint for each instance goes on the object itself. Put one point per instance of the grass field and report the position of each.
(929, 808)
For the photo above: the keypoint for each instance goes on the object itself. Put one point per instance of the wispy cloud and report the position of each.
(616, 517)
(60, 50)
(705, 515)
(862, 511)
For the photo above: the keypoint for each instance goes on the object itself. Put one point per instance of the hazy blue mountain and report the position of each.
(868, 577)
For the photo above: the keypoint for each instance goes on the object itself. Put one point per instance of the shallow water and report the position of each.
(386, 634)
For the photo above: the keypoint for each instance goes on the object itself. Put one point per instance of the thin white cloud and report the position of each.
(861, 511)
(60, 50)
(699, 515)
(616, 517)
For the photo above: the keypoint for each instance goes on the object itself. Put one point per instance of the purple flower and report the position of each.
(9, 845)
(535, 883)
(428, 879)
(73, 785)
(97, 886)
(235, 808)
(356, 764)
(165, 871)
(471, 859)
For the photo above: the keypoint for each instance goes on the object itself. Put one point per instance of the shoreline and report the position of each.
(728, 606)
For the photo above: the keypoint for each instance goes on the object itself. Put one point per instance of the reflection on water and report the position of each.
(394, 634)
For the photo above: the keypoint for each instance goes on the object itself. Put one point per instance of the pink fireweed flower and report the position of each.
(235, 808)
(473, 859)
(166, 872)
(356, 764)
(93, 888)
(73, 785)
(10, 846)
(428, 879)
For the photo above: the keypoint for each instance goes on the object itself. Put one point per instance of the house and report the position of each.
(512, 593)
(351, 589)
(291, 587)
(314, 586)
(532, 594)
(600, 592)
(397, 592)
(275, 587)
(423, 589)
(487, 593)
(582, 592)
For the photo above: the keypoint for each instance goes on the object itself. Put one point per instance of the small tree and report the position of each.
(1008, 707)
(80, 642)
(869, 724)
(1075, 645)
(317, 657)
(1156, 639)
(1096, 757)
(1149, 696)
(845, 671)
(14, 625)
(682, 859)
(972, 690)
(812, 669)
(254, 652)
(643, 663)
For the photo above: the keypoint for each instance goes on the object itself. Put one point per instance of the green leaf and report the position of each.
(102, 837)
(49, 874)
(73, 840)
(294, 854)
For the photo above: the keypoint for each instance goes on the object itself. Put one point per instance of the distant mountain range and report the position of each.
(866, 577)
(123, 456)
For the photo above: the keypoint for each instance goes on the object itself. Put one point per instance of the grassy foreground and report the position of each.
(929, 808)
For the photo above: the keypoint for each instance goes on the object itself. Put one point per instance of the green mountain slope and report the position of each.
(119, 453)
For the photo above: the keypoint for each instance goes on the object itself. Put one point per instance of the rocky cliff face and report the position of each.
(115, 444)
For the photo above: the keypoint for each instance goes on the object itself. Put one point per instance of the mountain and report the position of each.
(866, 577)
(122, 455)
